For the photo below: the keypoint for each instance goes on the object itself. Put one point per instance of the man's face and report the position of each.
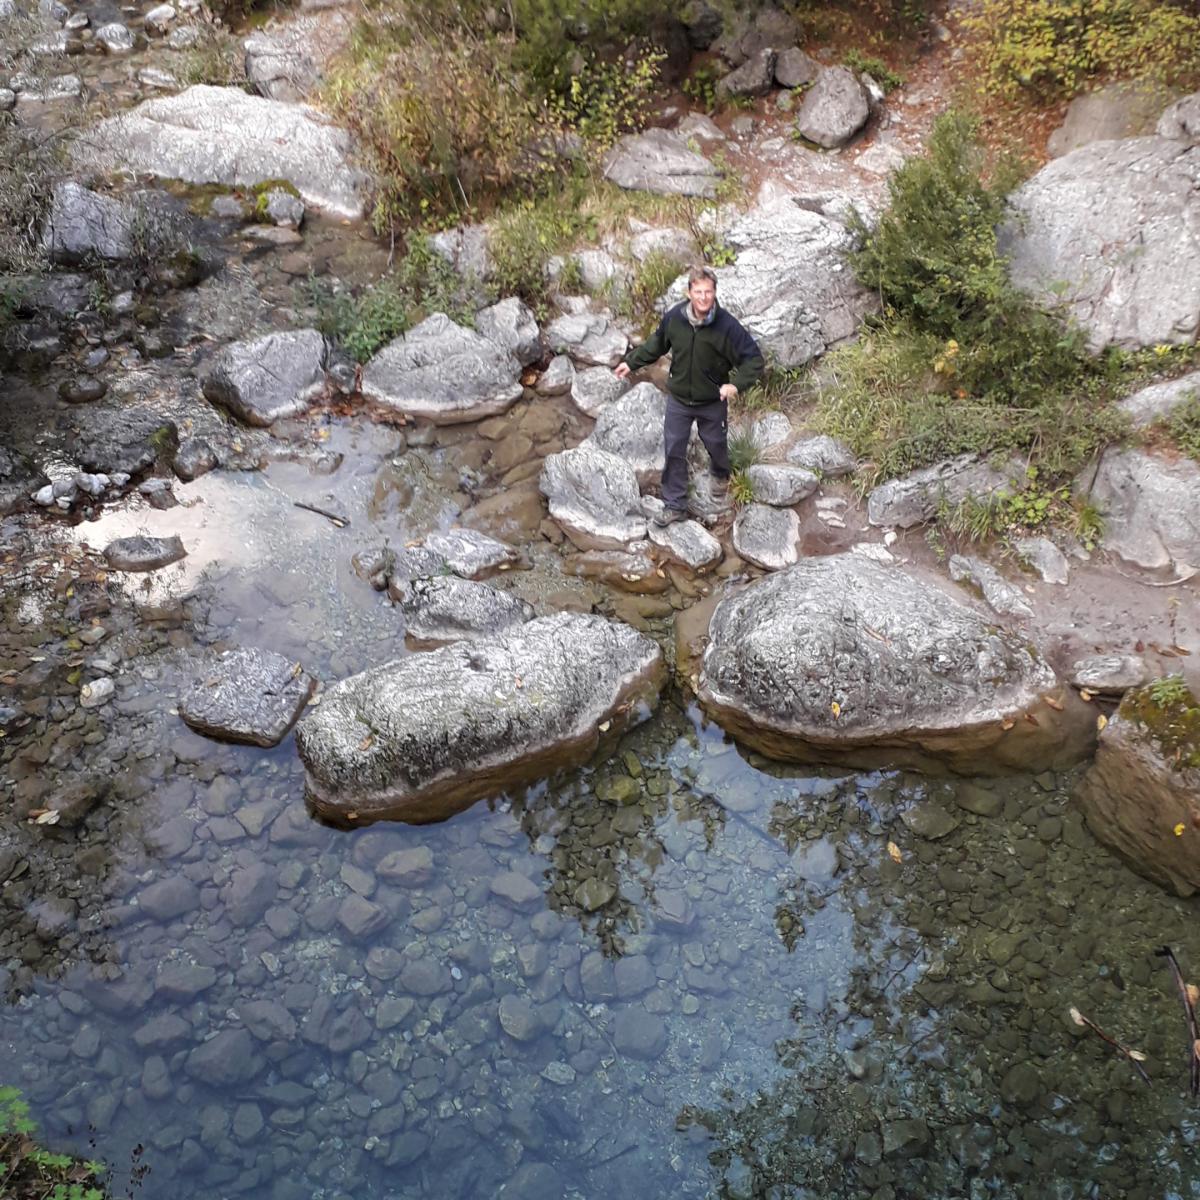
(703, 295)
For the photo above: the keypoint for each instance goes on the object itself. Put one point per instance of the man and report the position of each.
(712, 359)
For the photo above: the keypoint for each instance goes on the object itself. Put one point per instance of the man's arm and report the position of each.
(651, 350)
(749, 359)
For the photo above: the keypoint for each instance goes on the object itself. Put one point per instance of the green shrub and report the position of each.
(218, 58)
(421, 283)
(602, 100)
(876, 68)
(1052, 48)
(650, 281)
(1183, 425)
(744, 450)
(28, 1172)
(701, 87)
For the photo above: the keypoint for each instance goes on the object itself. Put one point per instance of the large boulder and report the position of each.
(510, 323)
(444, 373)
(285, 61)
(791, 285)
(842, 659)
(448, 609)
(1157, 401)
(85, 225)
(269, 377)
(427, 735)
(1117, 110)
(1141, 796)
(223, 135)
(835, 108)
(632, 428)
(246, 695)
(1181, 121)
(661, 160)
(588, 338)
(594, 496)
(1151, 508)
(1110, 233)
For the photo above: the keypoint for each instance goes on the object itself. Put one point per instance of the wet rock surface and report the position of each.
(246, 695)
(270, 377)
(144, 553)
(449, 609)
(422, 736)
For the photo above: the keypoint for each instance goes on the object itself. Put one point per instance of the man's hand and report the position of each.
(728, 391)
(621, 370)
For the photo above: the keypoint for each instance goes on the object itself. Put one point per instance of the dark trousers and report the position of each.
(712, 423)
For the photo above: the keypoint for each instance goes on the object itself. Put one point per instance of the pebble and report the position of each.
(96, 693)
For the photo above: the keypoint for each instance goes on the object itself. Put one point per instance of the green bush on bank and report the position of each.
(960, 359)
(1047, 49)
(30, 1172)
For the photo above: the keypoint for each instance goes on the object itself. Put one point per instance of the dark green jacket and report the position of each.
(702, 357)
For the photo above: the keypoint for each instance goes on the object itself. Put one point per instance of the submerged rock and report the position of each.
(143, 553)
(1141, 796)
(444, 373)
(269, 377)
(841, 659)
(246, 695)
(423, 737)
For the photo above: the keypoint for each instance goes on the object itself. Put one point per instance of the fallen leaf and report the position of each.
(1053, 703)
(1178, 830)
(1196, 1047)
(836, 709)
(1077, 1016)
(50, 817)
(605, 726)
(1101, 721)
(1031, 718)
(1137, 1056)
(1084, 694)
(1181, 650)
(894, 852)
(1007, 724)
(1139, 646)
(1193, 994)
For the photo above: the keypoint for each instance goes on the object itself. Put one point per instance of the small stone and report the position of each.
(166, 899)
(517, 890)
(519, 1019)
(96, 693)
(1021, 1085)
(82, 390)
(594, 893)
(144, 553)
(639, 1034)
(115, 38)
(929, 820)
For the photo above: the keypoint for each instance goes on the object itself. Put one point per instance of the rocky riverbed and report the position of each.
(671, 966)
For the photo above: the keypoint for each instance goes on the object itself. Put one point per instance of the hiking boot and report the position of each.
(669, 516)
(718, 488)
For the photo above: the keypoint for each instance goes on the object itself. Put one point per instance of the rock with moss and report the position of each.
(1141, 796)
(425, 736)
(444, 373)
(841, 659)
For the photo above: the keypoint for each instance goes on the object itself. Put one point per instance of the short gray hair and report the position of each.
(696, 274)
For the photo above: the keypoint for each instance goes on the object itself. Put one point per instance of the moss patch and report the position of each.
(1170, 713)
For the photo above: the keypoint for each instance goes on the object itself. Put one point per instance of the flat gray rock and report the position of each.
(1157, 402)
(661, 160)
(588, 338)
(839, 656)
(427, 735)
(1001, 596)
(770, 430)
(1110, 234)
(1044, 557)
(223, 135)
(835, 108)
(594, 388)
(143, 553)
(1109, 674)
(444, 373)
(246, 695)
(83, 225)
(631, 427)
(594, 496)
(687, 542)
(794, 68)
(269, 377)
(779, 485)
(471, 554)
(449, 609)
(557, 378)
(913, 499)
(1151, 508)
(823, 455)
(791, 284)
(1181, 121)
(510, 323)
(766, 536)
(753, 78)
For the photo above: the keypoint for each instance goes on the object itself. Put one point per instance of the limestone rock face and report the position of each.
(660, 160)
(269, 377)
(246, 695)
(425, 736)
(445, 373)
(594, 495)
(835, 108)
(511, 324)
(842, 659)
(1158, 400)
(632, 428)
(1181, 121)
(1151, 508)
(285, 62)
(1117, 224)
(594, 388)
(791, 285)
(588, 338)
(1119, 110)
(222, 135)
(913, 499)
(1136, 794)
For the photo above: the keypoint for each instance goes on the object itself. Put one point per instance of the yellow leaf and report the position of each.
(1007, 724)
(1178, 830)
(1084, 694)
(1193, 994)
(49, 817)
(1054, 704)
(894, 852)
(836, 709)
(1101, 721)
